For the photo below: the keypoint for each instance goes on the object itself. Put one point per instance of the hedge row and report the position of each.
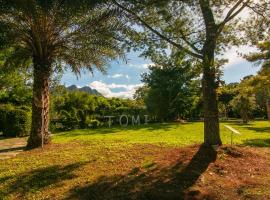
(15, 121)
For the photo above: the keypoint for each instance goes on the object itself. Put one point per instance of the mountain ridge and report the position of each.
(86, 89)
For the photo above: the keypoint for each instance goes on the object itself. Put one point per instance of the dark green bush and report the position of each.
(15, 122)
(4, 110)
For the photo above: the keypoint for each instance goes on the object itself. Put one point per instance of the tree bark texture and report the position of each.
(211, 120)
(40, 105)
(209, 84)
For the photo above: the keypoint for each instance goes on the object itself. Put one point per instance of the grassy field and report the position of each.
(157, 161)
(172, 134)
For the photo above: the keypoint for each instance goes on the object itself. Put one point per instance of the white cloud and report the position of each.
(105, 89)
(234, 55)
(116, 76)
(127, 77)
(119, 76)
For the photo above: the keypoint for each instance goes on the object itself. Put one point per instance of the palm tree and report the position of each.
(54, 35)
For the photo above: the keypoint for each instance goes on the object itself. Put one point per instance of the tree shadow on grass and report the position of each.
(167, 183)
(241, 124)
(257, 142)
(2, 137)
(260, 129)
(12, 149)
(115, 129)
(37, 179)
(250, 127)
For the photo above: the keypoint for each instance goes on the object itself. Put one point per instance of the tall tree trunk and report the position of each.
(225, 113)
(268, 109)
(244, 116)
(40, 105)
(211, 120)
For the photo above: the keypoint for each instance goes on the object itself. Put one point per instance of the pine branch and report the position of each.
(145, 24)
(233, 12)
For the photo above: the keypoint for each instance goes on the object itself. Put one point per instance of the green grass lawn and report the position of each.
(253, 134)
(155, 161)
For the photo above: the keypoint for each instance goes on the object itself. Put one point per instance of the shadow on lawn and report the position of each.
(250, 127)
(258, 142)
(259, 129)
(2, 137)
(5, 137)
(12, 149)
(155, 183)
(37, 179)
(115, 129)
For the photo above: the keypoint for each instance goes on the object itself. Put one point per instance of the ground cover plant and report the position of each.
(155, 161)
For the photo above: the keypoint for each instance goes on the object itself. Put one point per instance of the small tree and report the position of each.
(172, 86)
(261, 89)
(225, 94)
(244, 102)
(54, 35)
(261, 82)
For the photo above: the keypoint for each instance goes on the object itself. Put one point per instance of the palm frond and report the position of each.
(79, 35)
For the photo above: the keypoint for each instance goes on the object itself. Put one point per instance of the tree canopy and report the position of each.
(75, 33)
(174, 82)
(54, 35)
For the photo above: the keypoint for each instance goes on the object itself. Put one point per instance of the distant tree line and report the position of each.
(173, 92)
(78, 109)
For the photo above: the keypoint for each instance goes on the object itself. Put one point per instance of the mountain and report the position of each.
(86, 89)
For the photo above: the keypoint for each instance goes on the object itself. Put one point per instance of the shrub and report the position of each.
(53, 126)
(4, 110)
(15, 122)
(69, 120)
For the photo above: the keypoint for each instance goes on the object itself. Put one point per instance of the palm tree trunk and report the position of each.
(40, 105)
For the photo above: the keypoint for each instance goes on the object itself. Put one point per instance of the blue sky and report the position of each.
(123, 77)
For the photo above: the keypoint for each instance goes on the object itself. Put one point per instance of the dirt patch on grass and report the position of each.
(139, 171)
